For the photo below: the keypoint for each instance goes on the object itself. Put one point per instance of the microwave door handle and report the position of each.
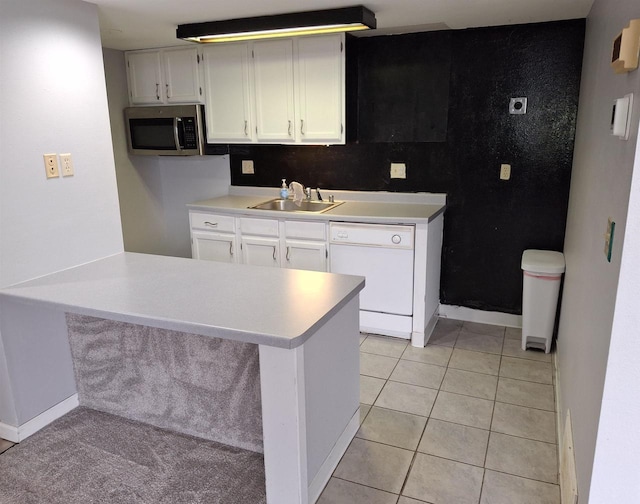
(176, 136)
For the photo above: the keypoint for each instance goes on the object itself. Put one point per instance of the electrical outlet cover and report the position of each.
(66, 164)
(247, 167)
(398, 170)
(51, 165)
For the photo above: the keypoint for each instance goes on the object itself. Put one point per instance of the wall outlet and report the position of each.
(67, 165)
(51, 165)
(398, 170)
(505, 171)
(247, 167)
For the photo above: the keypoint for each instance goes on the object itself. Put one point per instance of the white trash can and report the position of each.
(542, 273)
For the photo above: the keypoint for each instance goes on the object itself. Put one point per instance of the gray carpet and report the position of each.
(206, 387)
(90, 457)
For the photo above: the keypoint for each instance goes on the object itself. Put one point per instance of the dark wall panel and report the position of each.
(488, 222)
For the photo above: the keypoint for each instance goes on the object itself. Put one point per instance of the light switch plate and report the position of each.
(247, 167)
(398, 170)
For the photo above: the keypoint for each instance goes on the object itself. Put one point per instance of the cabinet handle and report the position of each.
(157, 91)
(288, 253)
(274, 252)
(302, 126)
(212, 224)
(289, 129)
(167, 87)
(231, 249)
(245, 128)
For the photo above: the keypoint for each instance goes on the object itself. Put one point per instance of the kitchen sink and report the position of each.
(288, 205)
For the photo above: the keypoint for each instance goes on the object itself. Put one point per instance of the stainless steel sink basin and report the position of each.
(287, 205)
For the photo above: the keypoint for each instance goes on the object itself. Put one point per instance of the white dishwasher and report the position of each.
(383, 254)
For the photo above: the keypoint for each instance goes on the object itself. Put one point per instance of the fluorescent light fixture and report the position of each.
(281, 25)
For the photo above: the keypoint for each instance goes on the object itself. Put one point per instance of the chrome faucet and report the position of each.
(307, 192)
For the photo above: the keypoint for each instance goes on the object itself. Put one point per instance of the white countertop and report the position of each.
(396, 208)
(268, 306)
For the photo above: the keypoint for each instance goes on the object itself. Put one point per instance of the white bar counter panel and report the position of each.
(305, 324)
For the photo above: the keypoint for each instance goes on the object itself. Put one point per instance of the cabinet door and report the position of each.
(273, 80)
(305, 255)
(320, 79)
(260, 251)
(226, 70)
(144, 72)
(214, 246)
(182, 75)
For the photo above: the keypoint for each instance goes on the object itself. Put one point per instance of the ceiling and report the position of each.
(141, 24)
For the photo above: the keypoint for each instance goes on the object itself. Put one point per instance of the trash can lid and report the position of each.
(543, 261)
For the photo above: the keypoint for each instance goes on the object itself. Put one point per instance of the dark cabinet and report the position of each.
(403, 87)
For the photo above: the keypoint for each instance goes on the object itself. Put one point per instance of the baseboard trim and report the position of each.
(22, 432)
(331, 462)
(481, 316)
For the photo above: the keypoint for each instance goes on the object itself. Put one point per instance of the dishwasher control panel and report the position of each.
(372, 235)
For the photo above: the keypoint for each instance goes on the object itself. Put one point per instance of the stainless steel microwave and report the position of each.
(172, 130)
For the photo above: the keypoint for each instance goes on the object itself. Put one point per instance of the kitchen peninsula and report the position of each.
(305, 325)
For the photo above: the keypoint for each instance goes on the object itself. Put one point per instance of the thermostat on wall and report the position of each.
(621, 117)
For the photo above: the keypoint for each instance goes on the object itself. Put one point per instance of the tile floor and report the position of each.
(467, 420)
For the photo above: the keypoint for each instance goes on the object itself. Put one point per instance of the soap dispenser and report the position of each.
(284, 190)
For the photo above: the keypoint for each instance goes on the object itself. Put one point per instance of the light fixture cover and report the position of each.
(299, 23)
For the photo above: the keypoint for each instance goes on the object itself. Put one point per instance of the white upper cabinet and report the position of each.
(182, 75)
(285, 91)
(164, 76)
(228, 98)
(144, 72)
(321, 89)
(273, 80)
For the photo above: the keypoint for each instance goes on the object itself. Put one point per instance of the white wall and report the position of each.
(53, 99)
(600, 188)
(154, 190)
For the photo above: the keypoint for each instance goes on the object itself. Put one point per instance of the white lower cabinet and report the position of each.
(260, 251)
(305, 255)
(219, 247)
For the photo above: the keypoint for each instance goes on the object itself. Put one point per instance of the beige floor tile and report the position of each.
(470, 383)
(381, 345)
(375, 465)
(5, 445)
(513, 333)
(455, 442)
(488, 329)
(441, 481)
(523, 422)
(479, 342)
(408, 398)
(524, 393)
(445, 333)
(513, 348)
(370, 388)
(431, 354)
(393, 428)
(362, 338)
(524, 369)
(364, 411)
(340, 491)
(416, 373)
(464, 410)
(499, 488)
(407, 500)
(523, 457)
(377, 366)
(475, 361)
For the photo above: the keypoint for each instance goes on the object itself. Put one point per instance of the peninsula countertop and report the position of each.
(358, 206)
(267, 306)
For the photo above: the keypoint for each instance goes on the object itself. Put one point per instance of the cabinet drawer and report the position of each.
(305, 230)
(262, 227)
(213, 222)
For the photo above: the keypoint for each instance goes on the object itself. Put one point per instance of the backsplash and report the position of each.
(488, 222)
